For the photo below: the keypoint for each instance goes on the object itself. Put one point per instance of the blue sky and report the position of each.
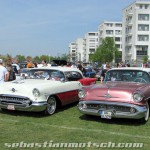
(36, 27)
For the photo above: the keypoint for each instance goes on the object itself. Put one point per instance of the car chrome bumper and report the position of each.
(138, 114)
(35, 107)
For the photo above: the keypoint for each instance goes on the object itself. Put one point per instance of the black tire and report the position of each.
(51, 106)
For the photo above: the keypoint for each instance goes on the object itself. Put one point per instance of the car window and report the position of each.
(73, 75)
(128, 76)
(46, 74)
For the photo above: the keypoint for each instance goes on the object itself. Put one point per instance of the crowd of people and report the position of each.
(10, 68)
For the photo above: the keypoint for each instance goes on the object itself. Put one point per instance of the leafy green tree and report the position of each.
(37, 59)
(21, 58)
(107, 51)
(65, 57)
(145, 59)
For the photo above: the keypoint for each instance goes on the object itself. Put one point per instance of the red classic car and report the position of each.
(125, 93)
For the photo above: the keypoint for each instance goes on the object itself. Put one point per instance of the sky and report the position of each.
(46, 27)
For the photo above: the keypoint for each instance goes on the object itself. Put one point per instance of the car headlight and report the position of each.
(137, 97)
(81, 94)
(36, 92)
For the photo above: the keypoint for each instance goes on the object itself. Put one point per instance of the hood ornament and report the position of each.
(13, 90)
(107, 96)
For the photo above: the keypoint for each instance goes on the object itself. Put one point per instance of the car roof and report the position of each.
(132, 68)
(59, 68)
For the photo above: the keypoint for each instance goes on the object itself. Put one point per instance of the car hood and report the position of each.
(25, 87)
(113, 91)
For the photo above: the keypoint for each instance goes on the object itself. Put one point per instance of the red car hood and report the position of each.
(113, 91)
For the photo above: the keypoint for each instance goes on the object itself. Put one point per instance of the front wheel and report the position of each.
(51, 106)
(146, 117)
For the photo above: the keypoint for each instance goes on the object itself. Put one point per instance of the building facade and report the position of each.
(82, 48)
(111, 29)
(90, 45)
(136, 31)
(72, 52)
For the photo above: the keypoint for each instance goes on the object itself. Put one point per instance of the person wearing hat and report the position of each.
(3, 72)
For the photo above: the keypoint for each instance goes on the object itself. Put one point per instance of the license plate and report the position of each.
(106, 114)
(10, 107)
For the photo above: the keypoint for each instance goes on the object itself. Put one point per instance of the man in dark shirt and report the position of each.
(104, 72)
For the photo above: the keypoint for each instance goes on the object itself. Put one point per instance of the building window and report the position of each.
(92, 50)
(141, 6)
(142, 50)
(118, 25)
(109, 24)
(109, 32)
(141, 53)
(143, 37)
(118, 46)
(117, 32)
(117, 39)
(92, 34)
(143, 17)
(142, 27)
(146, 6)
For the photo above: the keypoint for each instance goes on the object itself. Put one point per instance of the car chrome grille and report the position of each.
(108, 107)
(15, 100)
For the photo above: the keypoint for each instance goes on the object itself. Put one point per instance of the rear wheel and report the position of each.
(51, 106)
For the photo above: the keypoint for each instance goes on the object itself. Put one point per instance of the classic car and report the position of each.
(44, 89)
(90, 72)
(125, 93)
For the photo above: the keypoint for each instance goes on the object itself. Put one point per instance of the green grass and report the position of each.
(68, 125)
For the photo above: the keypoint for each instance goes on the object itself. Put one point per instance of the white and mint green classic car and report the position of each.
(45, 89)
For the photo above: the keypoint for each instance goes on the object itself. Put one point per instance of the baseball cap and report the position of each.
(1, 61)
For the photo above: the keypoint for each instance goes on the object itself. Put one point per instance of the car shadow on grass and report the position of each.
(119, 121)
(36, 114)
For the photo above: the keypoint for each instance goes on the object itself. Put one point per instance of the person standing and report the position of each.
(15, 66)
(29, 63)
(79, 66)
(104, 72)
(44, 63)
(11, 70)
(3, 72)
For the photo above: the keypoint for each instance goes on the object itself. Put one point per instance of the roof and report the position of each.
(132, 68)
(59, 68)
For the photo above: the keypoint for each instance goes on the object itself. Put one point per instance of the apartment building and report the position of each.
(111, 29)
(76, 50)
(90, 45)
(82, 48)
(136, 31)
(72, 52)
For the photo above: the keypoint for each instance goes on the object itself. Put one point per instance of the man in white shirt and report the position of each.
(15, 66)
(3, 72)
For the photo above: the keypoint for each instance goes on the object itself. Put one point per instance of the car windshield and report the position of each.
(128, 76)
(45, 74)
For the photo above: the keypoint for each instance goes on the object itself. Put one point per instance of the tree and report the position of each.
(21, 58)
(145, 59)
(107, 51)
(37, 59)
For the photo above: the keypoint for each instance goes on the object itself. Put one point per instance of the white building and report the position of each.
(79, 49)
(90, 45)
(76, 50)
(136, 31)
(72, 52)
(111, 29)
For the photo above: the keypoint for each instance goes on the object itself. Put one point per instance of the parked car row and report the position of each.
(125, 92)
